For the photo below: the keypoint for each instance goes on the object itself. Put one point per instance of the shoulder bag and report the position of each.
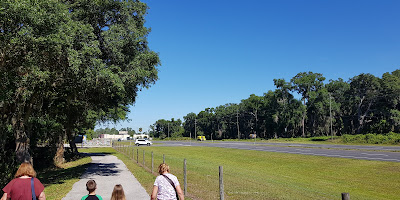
(173, 185)
(33, 189)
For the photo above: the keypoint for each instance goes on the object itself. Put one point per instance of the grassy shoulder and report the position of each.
(264, 175)
(267, 175)
(58, 181)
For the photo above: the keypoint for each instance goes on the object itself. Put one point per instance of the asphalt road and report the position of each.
(378, 153)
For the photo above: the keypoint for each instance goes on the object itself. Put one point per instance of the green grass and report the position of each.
(58, 181)
(267, 175)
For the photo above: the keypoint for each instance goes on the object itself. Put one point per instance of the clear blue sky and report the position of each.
(215, 52)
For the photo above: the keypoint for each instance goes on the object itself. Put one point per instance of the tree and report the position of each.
(189, 124)
(306, 84)
(34, 37)
(365, 90)
(341, 112)
(59, 57)
(390, 83)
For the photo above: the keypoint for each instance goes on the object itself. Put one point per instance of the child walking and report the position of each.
(118, 193)
(91, 186)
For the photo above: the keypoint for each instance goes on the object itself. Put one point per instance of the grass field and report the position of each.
(58, 181)
(247, 174)
(267, 175)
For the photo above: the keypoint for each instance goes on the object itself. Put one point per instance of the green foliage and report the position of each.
(167, 128)
(390, 138)
(321, 138)
(363, 104)
(66, 65)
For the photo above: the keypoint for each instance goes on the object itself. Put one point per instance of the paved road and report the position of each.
(107, 171)
(357, 151)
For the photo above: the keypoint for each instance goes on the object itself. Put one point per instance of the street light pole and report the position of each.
(330, 113)
(195, 126)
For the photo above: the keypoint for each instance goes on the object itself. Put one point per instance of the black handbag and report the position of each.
(33, 189)
(173, 185)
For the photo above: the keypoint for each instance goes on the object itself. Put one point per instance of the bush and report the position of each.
(320, 138)
(389, 138)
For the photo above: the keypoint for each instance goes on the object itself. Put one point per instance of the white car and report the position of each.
(143, 142)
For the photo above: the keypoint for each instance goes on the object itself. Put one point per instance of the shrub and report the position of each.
(320, 138)
(370, 138)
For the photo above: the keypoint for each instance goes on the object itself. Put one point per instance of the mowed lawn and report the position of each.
(267, 175)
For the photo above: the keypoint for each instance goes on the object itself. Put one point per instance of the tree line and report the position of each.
(363, 104)
(65, 65)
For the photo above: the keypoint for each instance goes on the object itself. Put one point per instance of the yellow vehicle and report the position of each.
(201, 138)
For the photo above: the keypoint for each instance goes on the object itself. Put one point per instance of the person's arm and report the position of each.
(154, 193)
(42, 196)
(180, 192)
(4, 197)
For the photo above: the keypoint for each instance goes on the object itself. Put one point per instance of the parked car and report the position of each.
(143, 142)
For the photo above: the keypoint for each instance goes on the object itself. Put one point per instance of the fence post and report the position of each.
(133, 153)
(137, 155)
(184, 177)
(221, 183)
(163, 158)
(345, 196)
(143, 160)
(152, 162)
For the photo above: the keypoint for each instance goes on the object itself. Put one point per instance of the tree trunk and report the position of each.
(59, 156)
(71, 140)
(21, 140)
(22, 147)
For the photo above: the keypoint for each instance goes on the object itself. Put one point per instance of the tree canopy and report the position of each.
(65, 65)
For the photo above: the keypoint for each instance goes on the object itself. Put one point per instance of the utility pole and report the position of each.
(237, 122)
(330, 113)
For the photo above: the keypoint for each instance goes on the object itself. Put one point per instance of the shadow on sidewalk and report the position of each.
(102, 169)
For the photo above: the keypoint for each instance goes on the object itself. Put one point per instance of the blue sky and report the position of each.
(215, 52)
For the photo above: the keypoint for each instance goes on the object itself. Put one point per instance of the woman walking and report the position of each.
(166, 185)
(24, 185)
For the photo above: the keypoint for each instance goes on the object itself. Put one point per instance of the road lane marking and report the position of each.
(371, 154)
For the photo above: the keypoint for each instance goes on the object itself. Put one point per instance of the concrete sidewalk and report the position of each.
(107, 171)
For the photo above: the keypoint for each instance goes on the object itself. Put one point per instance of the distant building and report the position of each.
(140, 136)
(123, 133)
(115, 137)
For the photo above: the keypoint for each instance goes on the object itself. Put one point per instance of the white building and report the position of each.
(115, 137)
(140, 136)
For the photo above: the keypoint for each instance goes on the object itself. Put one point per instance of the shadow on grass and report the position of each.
(56, 175)
(60, 175)
(96, 154)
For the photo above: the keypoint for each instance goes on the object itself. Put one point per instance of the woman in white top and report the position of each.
(163, 188)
